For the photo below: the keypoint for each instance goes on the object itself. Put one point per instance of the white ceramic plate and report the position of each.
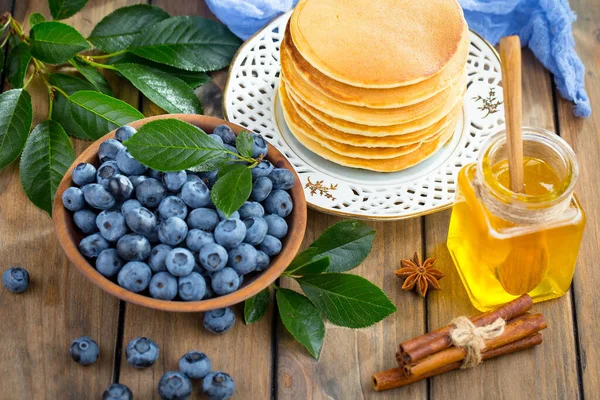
(250, 99)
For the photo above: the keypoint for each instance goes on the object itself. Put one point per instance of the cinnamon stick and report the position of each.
(395, 377)
(420, 347)
(515, 330)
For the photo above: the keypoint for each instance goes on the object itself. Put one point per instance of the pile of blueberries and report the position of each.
(159, 234)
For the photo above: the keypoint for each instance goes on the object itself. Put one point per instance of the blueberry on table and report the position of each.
(98, 197)
(213, 257)
(91, 246)
(262, 261)
(218, 386)
(173, 181)
(230, 232)
(125, 132)
(137, 179)
(111, 225)
(216, 138)
(251, 209)
(163, 286)
(192, 287)
(174, 386)
(205, 219)
(109, 263)
(134, 276)
(85, 220)
(117, 391)
(150, 193)
(256, 229)
(242, 259)
(72, 199)
(277, 226)
(83, 174)
(282, 179)
(133, 247)
(130, 205)
(128, 164)
(120, 187)
(16, 279)
(260, 147)
(180, 262)
(106, 171)
(141, 220)
(219, 321)
(109, 149)
(225, 281)
(263, 169)
(226, 134)
(172, 231)
(197, 238)
(172, 206)
(279, 202)
(261, 189)
(84, 350)
(195, 194)
(195, 364)
(141, 352)
(158, 257)
(271, 246)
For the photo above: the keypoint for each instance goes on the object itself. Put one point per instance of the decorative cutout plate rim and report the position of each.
(250, 99)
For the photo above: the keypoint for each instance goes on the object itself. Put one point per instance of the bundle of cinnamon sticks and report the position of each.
(433, 353)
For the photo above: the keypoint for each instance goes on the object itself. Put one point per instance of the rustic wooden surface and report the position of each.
(37, 327)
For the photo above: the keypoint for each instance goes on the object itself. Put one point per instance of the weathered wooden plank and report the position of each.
(547, 372)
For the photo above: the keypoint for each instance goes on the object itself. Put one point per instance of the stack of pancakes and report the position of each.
(374, 84)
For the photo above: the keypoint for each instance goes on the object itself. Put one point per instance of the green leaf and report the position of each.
(61, 111)
(244, 144)
(36, 18)
(16, 114)
(93, 76)
(97, 114)
(168, 92)
(46, 157)
(347, 243)
(172, 145)
(217, 162)
(232, 188)
(55, 42)
(308, 262)
(116, 31)
(302, 319)
(1, 60)
(16, 66)
(256, 306)
(190, 43)
(347, 300)
(63, 9)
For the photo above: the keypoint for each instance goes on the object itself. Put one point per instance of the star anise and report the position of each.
(419, 276)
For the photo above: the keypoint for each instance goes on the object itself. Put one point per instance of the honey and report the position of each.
(505, 244)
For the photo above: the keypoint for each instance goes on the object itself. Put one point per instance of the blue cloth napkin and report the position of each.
(543, 25)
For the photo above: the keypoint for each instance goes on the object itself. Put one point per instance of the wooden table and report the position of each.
(37, 327)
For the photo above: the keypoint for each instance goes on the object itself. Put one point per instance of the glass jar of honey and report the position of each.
(505, 244)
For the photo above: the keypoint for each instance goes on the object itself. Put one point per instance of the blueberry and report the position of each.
(225, 281)
(180, 262)
(158, 257)
(163, 286)
(231, 149)
(173, 181)
(109, 149)
(216, 138)
(230, 232)
(150, 192)
(128, 164)
(219, 321)
(124, 132)
(226, 134)
(213, 257)
(137, 179)
(72, 199)
(134, 276)
(130, 205)
(117, 391)
(256, 229)
(120, 187)
(92, 246)
(260, 148)
(263, 169)
(242, 259)
(192, 287)
(195, 365)
(141, 352)
(195, 194)
(84, 350)
(172, 231)
(111, 225)
(133, 247)
(174, 386)
(172, 206)
(85, 220)
(209, 178)
(261, 189)
(154, 174)
(205, 219)
(277, 226)
(279, 202)
(234, 215)
(262, 261)
(209, 292)
(251, 209)
(109, 263)
(193, 177)
(271, 246)
(16, 279)
(107, 171)
(282, 178)
(98, 197)
(141, 220)
(83, 174)
(196, 239)
(218, 386)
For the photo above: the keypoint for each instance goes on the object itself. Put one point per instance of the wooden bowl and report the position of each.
(69, 235)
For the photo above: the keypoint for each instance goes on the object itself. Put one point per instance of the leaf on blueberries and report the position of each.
(56, 43)
(93, 76)
(232, 188)
(212, 164)
(16, 114)
(63, 9)
(302, 319)
(16, 66)
(244, 144)
(61, 111)
(347, 300)
(46, 157)
(308, 262)
(256, 306)
(36, 18)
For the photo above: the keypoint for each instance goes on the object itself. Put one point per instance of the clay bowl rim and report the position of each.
(67, 234)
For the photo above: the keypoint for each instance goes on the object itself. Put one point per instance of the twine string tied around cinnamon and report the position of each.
(472, 338)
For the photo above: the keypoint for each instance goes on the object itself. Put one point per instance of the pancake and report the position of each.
(378, 44)
(379, 98)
